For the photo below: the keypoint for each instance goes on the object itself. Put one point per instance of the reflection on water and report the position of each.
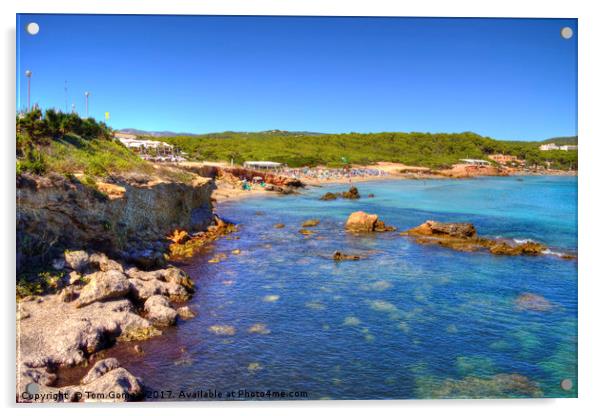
(406, 321)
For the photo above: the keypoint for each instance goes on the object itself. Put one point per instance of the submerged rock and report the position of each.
(533, 302)
(185, 312)
(271, 298)
(463, 237)
(222, 330)
(338, 256)
(498, 386)
(259, 329)
(311, 223)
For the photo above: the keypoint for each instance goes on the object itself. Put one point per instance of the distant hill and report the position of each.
(562, 140)
(168, 133)
(165, 133)
(435, 150)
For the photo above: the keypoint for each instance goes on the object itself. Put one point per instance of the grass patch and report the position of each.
(99, 158)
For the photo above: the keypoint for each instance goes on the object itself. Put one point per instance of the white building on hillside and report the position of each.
(554, 146)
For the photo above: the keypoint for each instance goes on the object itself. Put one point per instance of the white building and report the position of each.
(262, 165)
(477, 162)
(554, 146)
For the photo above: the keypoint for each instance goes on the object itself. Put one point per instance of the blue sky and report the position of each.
(504, 78)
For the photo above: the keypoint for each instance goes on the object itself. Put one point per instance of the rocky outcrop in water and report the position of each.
(463, 237)
(185, 245)
(352, 193)
(105, 304)
(340, 256)
(361, 222)
(329, 196)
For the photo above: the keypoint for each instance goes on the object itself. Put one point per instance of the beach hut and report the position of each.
(266, 165)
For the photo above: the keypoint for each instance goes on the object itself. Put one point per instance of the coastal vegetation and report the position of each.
(433, 150)
(66, 143)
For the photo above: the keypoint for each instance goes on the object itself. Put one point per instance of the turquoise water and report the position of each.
(409, 321)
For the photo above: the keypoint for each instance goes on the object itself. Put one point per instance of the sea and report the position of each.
(278, 319)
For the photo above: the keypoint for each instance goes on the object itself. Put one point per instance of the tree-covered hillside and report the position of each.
(435, 150)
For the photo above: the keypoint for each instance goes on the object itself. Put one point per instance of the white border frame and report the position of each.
(590, 132)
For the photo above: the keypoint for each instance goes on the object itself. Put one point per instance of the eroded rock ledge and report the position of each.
(126, 220)
(463, 237)
(100, 301)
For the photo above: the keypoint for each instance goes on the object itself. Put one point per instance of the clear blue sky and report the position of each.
(504, 78)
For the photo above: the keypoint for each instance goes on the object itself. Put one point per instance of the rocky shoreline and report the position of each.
(101, 302)
(78, 303)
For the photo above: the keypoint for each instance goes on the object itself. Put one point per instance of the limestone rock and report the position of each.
(117, 385)
(360, 221)
(450, 229)
(159, 310)
(100, 368)
(101, 262)
(463, 237)
(77, 260)
(104, 286)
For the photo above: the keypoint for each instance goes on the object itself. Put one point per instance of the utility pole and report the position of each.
(87, 94)
(28, 75)
(66, 98)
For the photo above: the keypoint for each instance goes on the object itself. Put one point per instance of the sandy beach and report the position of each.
(229, 189)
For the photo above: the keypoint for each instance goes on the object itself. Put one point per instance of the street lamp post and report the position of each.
(87, 94)
(28, 75)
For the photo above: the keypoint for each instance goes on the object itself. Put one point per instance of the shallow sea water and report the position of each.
(408, 321)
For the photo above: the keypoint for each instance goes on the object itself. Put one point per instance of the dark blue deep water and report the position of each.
(409, 321)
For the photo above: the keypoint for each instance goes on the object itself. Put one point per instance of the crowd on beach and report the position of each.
(325, 174)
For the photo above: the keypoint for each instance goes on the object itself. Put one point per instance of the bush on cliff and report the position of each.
(67, 144)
